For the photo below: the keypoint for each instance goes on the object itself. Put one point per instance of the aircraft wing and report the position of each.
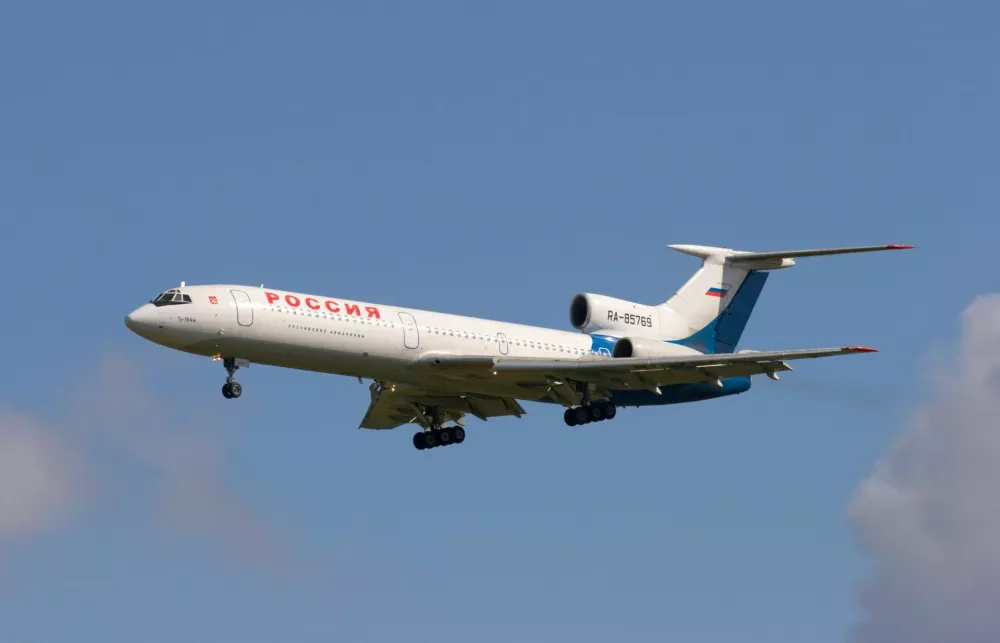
(640, 373)
(392, 406)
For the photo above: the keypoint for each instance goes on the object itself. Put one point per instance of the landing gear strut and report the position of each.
(435, 435)
(231, 389)
(590, 412)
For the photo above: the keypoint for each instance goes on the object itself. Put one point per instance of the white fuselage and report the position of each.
(347, 337)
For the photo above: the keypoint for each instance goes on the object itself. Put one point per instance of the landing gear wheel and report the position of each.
(581, 415)
(610, 410)
(570, 417)
(231, 389)
(434, 435)
(596, 412)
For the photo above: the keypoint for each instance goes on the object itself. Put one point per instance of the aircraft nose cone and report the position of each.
(142, 320)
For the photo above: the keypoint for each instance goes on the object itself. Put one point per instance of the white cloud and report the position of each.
(929, 514)
(41, 482)
(177, 446)
(122, 440)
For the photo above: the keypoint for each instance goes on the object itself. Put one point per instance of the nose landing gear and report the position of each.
(231, 389)
(594, 412)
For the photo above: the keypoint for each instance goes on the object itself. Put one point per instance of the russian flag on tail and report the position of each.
(717, 292)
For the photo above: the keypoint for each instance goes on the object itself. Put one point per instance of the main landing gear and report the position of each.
(231, 389)
(439, 437)
(434, 435)
(593, 412)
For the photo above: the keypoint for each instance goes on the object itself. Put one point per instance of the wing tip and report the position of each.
(862, 349)
(899, 246)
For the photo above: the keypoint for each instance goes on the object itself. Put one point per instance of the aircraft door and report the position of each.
(411, 336)
(244, 309)
(502, 343)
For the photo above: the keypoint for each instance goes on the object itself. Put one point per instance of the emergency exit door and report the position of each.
(411, 336)
(244, 309)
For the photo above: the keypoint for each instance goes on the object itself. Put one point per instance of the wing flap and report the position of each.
(650, 372)
(393, 406)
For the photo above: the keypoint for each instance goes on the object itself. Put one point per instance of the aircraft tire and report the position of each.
(225, 391)
(430, 439)
(458, 436)
(569, 417)
(418, 441)
(444, 437)
(610, 410)
(581, 415)
(596, 412)
(235, 390)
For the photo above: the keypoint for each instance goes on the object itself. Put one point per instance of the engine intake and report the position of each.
(623, 348)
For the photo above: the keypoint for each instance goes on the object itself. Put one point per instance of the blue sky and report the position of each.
(491, 161)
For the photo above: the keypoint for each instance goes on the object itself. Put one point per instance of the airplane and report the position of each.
(429, 368)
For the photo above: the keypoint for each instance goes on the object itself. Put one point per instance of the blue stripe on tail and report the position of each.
(724, 332)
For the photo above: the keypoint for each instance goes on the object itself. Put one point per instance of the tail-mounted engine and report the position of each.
(592, 313)
(642, 347)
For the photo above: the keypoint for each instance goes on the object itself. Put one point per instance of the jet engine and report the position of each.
(642, 347)
(590, 313)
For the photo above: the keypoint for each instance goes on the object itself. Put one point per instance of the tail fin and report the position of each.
(710, 311)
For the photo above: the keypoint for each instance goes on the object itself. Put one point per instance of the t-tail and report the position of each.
(710, 311)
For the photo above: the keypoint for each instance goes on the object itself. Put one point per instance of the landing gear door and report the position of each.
(244, 309)
(411, 336)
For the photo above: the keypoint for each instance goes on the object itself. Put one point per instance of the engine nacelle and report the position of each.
(590, 313)
(642, 347)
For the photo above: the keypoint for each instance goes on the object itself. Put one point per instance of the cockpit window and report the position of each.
(170, 297)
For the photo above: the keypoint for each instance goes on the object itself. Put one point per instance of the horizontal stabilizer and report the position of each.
(792, 254)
